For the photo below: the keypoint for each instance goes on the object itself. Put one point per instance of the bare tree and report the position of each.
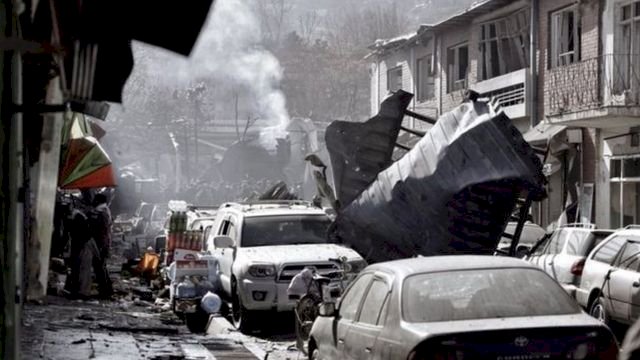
(273, 19)
(308, 25)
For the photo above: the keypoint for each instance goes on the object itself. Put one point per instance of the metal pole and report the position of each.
(11, 92)
(195, 130)
(187, 160)
(533, 63)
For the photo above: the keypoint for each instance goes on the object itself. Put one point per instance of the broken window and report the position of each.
(425, 80)
(625, 63)
(504, 45)
(457, 66)
(565, 37)
(394, 79)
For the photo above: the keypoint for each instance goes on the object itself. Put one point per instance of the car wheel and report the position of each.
(598, 310)
(241, 317)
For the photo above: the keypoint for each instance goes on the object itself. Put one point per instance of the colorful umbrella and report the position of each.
(84, 163)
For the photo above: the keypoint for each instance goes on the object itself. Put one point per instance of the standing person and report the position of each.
(79, 236)
(100, 244)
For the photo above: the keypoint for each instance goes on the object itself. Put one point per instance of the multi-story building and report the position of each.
(593, 85)
(578, 104)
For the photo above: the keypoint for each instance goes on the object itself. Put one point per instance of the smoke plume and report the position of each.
(229, 52)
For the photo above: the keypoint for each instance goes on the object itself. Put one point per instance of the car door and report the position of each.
(596, 268)
(334, 348)
(634, 265)
(624, 282)
(614, 279)
(226, 256)
(571, 254)
(363, 333)
(555, 247)
(538, 251)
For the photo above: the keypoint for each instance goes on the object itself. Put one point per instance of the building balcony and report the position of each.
(510, 90)
(601, 92)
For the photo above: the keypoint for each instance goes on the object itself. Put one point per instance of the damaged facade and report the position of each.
(577, 106)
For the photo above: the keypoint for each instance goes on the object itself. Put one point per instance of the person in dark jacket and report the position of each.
(100, 243)
(79, 236)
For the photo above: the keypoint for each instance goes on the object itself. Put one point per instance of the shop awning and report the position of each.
(542, 133)
(96, 37)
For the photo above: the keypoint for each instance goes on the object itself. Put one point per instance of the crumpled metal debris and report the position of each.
(452, 193)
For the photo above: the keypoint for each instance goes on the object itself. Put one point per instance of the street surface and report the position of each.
(129, 327)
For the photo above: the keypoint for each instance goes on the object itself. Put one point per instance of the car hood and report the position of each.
(297, 253)
(425, 330)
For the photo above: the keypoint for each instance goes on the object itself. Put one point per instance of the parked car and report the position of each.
(610, 285)
(454, 307)
(136, 224)
(564, 253)
(531, 234)
(261, 246)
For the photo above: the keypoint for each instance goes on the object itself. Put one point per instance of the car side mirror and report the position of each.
(223, 242)
(327, 309)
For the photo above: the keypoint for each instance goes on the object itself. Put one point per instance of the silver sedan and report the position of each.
(454, 307)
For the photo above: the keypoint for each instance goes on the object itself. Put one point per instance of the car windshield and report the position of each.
(483, 294)
(285, 230)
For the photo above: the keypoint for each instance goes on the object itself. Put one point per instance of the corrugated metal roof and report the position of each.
(465, 17)
(452, 193)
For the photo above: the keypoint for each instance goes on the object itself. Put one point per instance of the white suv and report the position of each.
(261, 246)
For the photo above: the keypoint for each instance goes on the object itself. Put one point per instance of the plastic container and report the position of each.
(186, 289)
(211, 303)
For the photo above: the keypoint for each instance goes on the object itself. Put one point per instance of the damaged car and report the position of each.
(260, 246)
(457, 307)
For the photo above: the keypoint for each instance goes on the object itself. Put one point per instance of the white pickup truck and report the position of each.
(261, 246)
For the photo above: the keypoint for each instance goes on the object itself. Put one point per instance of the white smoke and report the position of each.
(229, 50)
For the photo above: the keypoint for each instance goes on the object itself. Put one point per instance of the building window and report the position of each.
(457, 66)
(565, 37)
(626, 60)
(504, 45)
(425, 80)
(625, 190)
(394, 79)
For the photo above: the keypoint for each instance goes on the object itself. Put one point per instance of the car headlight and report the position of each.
(356, 266)
(262, 270)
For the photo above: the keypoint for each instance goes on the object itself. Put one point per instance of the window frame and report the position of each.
(456, 82)
(382, 304)
(349, 290)
(400, 72)
(622, 180)
(603, 244)
(512, 41)
(619, 258)
(425, 84)
(556, 54)
(626, 52)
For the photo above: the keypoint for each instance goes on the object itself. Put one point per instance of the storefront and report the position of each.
(561, 168)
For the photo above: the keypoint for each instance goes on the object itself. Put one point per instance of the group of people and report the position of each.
(89, 229)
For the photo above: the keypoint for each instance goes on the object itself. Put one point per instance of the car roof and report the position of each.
(628, 232)
(428, 264)
(272, 209)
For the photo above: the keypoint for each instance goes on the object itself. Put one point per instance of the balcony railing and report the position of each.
(604, 81)
(510, 90)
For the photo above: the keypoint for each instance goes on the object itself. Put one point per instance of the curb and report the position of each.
(219, 326)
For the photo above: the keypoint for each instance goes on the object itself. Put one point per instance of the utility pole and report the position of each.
(11, 235)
